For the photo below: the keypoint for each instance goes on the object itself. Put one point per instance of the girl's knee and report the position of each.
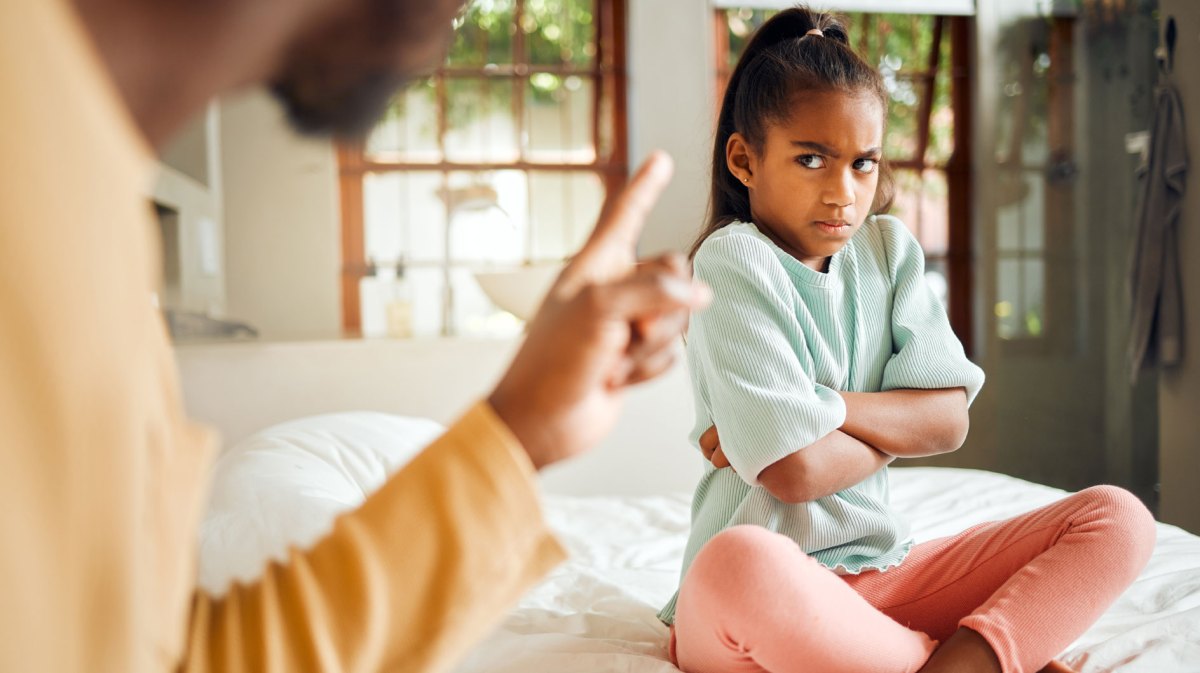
(742, 550)
(1129, 523)
(1122, 506)
(747, 560)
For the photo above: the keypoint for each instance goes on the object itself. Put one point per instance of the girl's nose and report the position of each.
(840, 191)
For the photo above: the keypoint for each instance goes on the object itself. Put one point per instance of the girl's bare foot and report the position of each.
(964, 652)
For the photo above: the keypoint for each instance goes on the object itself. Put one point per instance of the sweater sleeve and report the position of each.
(407, 582)
(926, 353)
(746, 348)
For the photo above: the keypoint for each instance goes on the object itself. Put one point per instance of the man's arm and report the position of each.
(405, 583)
(908, 423)
(429, 563)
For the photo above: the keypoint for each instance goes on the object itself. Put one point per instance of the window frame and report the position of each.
(1058, 207)
(607, 71)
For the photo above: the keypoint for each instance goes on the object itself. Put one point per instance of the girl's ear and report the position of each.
(739, 157)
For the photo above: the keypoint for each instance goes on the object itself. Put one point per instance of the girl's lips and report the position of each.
(833, 226)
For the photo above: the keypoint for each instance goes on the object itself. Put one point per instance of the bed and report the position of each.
(625, 533)
(596, 612)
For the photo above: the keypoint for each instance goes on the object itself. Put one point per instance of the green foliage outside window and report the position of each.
(556, 34)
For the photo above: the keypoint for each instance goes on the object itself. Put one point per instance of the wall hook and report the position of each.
(1165, 53)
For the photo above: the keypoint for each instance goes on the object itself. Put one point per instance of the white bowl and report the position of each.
(519, 290)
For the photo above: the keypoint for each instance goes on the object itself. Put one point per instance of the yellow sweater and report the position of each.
(103, 479)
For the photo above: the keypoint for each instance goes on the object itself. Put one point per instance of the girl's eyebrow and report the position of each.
(829, 151)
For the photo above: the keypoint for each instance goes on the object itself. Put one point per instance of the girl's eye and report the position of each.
(811, 161)
(866, 165)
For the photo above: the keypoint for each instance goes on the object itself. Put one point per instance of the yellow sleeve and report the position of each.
(407, 582)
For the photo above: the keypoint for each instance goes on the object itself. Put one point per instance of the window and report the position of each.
(1036, 172)
(501, 158)
(923, 60)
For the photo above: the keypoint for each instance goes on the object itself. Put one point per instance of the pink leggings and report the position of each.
(752, 601)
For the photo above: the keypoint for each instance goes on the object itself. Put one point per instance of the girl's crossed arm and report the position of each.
(879, 428)
(922, 410)
(833, 463)
(780, 428)
(908, 423)
(928, 383)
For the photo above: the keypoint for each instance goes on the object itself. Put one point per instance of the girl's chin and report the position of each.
(821, 250)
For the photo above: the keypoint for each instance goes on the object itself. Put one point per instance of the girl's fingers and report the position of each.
(709, 442)
(718, 458)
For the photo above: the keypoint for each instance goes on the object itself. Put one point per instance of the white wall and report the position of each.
(189, 183)
(240, 388)
(282, 243)
(199, 286)
(1179, 389)
(191, 150)
(671, 107)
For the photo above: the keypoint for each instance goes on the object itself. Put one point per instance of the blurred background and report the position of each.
(1015, 129)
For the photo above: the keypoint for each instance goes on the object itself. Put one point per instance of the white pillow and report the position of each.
(284, 486)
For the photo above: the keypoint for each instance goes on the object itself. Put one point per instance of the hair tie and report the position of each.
(815, 31)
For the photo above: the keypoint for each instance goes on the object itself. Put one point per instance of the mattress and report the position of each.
(596, 612)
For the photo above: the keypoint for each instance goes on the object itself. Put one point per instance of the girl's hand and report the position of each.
(710, 446)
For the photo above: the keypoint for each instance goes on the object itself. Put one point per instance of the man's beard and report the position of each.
(349, 112)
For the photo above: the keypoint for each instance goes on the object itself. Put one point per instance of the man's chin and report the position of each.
(349, 113)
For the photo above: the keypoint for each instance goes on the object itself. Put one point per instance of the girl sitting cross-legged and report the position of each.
(823, 357)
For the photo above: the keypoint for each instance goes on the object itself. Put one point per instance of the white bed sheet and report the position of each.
(596, 612)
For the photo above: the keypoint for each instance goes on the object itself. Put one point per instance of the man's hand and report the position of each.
(607, 323)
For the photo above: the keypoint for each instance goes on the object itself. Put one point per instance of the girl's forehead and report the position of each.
(834, 118)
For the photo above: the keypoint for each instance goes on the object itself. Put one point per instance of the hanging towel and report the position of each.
(1154, 281)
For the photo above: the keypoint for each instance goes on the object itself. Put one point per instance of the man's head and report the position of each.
(333, 63)
(337, 76)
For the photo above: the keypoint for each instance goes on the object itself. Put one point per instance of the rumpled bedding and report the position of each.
(596, 612)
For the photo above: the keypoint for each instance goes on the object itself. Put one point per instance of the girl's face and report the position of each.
(812, 184)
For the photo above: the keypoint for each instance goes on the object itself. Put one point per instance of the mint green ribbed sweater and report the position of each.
(767, 358)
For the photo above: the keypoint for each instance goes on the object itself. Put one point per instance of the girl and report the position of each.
(822, 358)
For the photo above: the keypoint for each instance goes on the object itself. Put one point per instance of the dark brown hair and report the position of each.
(779, 62)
